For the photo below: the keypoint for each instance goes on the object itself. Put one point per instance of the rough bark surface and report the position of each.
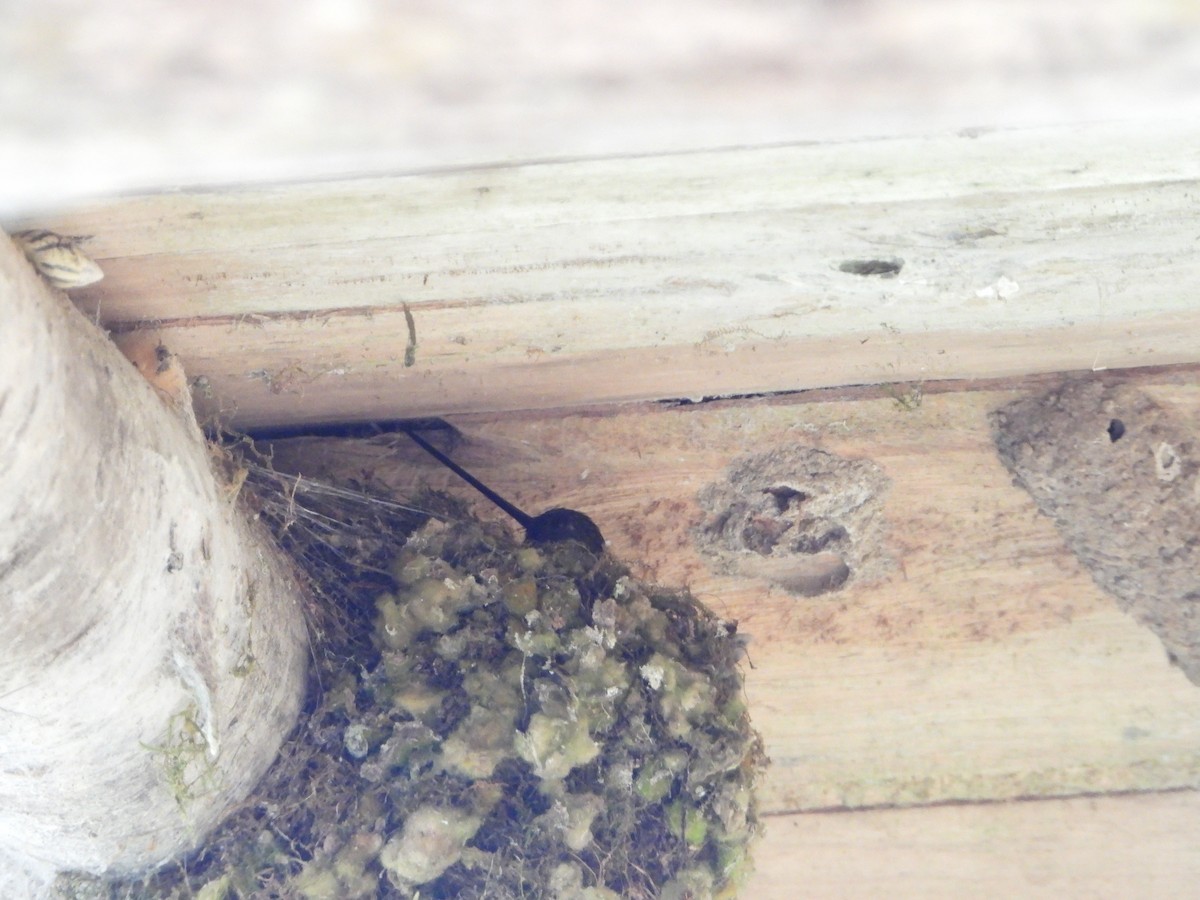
(152, 656)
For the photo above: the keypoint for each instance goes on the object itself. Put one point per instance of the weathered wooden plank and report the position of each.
(257, 374)
(283, 92)
(680, 275)
(1130, 846)
(985, 666)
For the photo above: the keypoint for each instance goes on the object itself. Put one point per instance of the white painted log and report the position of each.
(152, 654)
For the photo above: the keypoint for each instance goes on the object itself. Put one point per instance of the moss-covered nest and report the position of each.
(489, 720)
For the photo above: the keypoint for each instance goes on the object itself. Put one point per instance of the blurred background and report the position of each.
(98, 96)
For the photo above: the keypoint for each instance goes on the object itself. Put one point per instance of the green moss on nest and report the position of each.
(523, 723)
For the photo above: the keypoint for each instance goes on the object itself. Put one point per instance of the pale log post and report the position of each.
(152, 646)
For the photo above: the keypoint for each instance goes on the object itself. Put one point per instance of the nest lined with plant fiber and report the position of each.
(488, 720)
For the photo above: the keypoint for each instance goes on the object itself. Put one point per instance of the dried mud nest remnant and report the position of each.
(1120, 476)
(521, 723)
(805, 519)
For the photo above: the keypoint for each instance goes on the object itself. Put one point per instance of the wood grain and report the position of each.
(983, 721)
(986, 666)
(684, 275)
(279, 92)
(1128, 846)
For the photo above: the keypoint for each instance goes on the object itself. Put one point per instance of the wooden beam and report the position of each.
(984, 665)
(411, 84)
(981, 720)
(686, 275)
(1127, 846)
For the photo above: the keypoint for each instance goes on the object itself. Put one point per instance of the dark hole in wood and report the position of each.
(784, 496)
(884, 268)
(1116, 430)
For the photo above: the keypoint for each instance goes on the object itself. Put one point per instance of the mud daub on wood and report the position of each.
(1118, 474)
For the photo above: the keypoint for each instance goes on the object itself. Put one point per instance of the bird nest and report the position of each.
(485, 719)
